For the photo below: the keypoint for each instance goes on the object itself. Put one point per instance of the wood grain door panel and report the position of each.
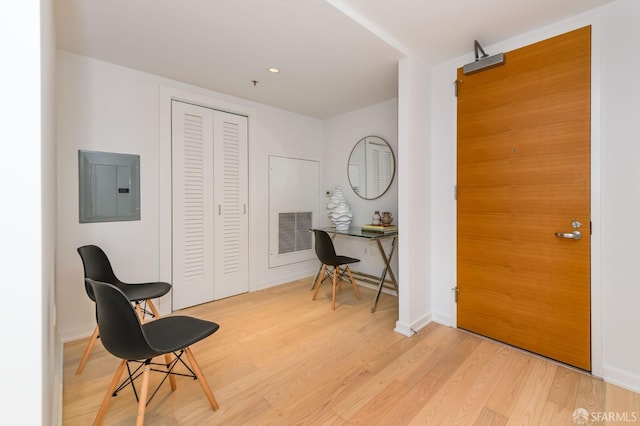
(523, 175)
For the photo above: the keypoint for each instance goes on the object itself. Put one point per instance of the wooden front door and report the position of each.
(523, 176)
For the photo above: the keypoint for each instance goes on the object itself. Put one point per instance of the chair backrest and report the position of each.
(324, 248)
(96, 267)
(120, 330)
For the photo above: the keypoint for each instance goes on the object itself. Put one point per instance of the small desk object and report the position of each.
(357, 232)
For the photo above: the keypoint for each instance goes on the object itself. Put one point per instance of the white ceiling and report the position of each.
(335, 56)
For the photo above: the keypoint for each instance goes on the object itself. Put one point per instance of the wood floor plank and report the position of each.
(503, 398)
(555, 415)
(488, 417)
(474, 400)
(436, 345)
(620, 406)
(530, 403)
(591, 395)
(564, 388)
(281, 359)
(316, 407)
(447, 403)
(353, 403)
(384, 402)
(433, 372)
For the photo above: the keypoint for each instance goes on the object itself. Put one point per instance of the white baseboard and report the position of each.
(443, 319)
(285, 278)
(76, 333)
(56, 398)
(420, 323)
(411, 329)
(621, 378)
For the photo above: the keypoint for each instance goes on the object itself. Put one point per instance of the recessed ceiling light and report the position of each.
(274, 70)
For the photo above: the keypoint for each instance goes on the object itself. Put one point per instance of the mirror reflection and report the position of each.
(371, 167)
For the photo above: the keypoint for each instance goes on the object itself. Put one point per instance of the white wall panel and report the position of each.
(294, 185)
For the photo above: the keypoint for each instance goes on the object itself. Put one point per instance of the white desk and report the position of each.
(357, 232)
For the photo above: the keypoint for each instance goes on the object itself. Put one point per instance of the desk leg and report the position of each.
(387, 269)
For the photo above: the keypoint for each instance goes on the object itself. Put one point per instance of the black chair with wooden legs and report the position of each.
(125, 337)
(98, 268)
(339, 265)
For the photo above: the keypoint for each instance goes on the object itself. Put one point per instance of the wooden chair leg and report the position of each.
(87, 351)
(140, 313)
(333, 298)
(154, 311)
(172, 379)
(319, 282)
(109, 395)
(167, 357)
(201, 379)
(355, 287)
(142, 398)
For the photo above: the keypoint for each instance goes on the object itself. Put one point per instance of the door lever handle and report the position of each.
(575, 235)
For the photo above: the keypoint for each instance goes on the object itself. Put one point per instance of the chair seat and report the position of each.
(170, 334)
(145, 290)
(344, 260)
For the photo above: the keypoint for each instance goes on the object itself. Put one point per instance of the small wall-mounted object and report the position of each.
(109, 186)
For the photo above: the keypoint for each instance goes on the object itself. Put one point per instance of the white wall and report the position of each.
(105, 107)
(443, 208)
(414, 195)
(51, 344)
(26, 165)
(620, 192)
(286, 135)
(615, 203)
(341, 133)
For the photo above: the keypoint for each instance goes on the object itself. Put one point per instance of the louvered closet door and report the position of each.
(230, 194)
(193, 205)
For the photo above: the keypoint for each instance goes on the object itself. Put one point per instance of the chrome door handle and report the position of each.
(575, 235)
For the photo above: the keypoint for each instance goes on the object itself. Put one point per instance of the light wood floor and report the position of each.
(281, 359)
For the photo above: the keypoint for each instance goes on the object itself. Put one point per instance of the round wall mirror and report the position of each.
(371, 167)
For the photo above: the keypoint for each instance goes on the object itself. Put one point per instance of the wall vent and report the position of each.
(294, 231)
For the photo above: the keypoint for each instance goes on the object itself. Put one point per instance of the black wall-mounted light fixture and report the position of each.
(484, 62)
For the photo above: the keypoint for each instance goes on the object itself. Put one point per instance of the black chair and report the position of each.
(124, 336)
(339, 265)
(98, 268)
